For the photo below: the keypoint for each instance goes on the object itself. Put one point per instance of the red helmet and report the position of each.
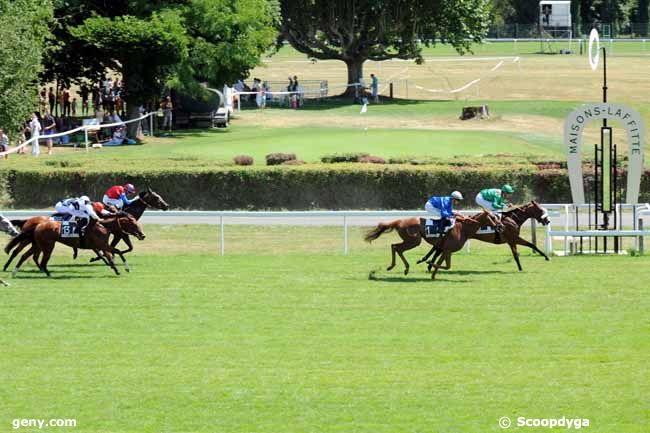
(129, 188)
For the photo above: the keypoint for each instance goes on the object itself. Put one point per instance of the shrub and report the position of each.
(343, 157)
(243, 160)
(294, 162)
(279, 158)
(372, 159)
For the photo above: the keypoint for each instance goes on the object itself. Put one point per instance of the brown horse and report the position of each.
(512, 221)
(411, 230)
(46, 234)
(457, 236)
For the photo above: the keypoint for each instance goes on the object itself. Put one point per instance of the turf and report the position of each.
(305, 341)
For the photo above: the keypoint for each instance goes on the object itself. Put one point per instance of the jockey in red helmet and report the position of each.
(116, 195)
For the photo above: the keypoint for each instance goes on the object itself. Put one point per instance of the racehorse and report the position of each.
(411, 230)
(512, 221)
(146, 199)
(137, 207)
(45, 235)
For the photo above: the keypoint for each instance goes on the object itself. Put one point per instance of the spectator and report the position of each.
(59, 103)
(119, 135)
(294, 95)
(97, 100)
(375, 88)
(167, 108)
(42, 100)
(49, 128)
(84, 92)
(35, 131)
(260, 97)
(66, 102)
(4, 143)
(51, 98)
(73, 105)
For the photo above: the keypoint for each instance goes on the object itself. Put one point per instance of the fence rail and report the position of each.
(566, 213)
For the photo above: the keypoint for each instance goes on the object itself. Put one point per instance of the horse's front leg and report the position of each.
(427, 255)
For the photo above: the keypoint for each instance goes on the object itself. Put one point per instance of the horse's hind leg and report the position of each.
(433, 260)
(47, 253)
(405, 246)
(24, 257)
(530, 245)
(15, 252)
(392, 257)
(111, 262)
(437, 265)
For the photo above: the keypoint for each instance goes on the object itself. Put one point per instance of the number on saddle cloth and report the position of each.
(435, 228)
(70, 229)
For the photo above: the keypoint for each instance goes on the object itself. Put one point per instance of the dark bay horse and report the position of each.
(512, 221)
(45, 236)
(411, 230)
(146, 199)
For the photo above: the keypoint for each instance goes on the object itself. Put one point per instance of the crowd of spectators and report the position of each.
(59, 111)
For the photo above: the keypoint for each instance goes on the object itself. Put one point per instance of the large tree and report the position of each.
(160, 43)
(23, 30)
(354, 31)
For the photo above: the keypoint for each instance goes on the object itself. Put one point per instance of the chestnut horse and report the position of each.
(512, 221)
(45, 235)
(411, 230)
(145, 199)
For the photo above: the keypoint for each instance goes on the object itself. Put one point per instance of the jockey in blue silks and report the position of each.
(442, 209)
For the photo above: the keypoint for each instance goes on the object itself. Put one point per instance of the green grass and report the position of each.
(303, 341)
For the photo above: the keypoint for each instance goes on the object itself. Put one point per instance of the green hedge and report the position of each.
(344, 186)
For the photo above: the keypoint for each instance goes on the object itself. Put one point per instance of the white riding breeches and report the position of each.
(486, 204)
(117, 202)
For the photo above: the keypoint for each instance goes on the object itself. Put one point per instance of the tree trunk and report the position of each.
(355, 73)
(134, 112)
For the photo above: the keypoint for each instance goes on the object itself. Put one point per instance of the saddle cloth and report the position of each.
(69, 229)
(487, 230)
(433, 228)
(60, 217)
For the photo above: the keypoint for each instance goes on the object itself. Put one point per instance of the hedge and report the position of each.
(344, 186)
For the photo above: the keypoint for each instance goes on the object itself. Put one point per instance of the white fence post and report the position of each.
(549, 241)
(221, 242)
(86, 138)
(345, 235)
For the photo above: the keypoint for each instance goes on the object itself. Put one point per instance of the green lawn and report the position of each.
(304, 341)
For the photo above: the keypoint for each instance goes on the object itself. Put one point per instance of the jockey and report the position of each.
(81, 208)
(493, 199)
(7, 227)
(101, 209)
(441, 208)
(116, 195)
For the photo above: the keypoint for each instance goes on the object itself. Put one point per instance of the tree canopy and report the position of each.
(153, 44)
(354, 31)
(23, 29)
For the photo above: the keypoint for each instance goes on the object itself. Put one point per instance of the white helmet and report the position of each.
(85, 199)
(457, 195)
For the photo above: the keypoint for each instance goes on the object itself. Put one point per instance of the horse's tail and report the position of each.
(18, 223)
(17, 240)
(380, 229)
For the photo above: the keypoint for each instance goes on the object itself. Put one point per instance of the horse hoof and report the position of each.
(406, 271)
(390, 268)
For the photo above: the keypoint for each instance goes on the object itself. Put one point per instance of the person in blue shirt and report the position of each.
(442, 209)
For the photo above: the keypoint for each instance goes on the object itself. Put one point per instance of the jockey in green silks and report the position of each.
(494, 199)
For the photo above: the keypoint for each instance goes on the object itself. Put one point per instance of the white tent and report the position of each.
(555, 14)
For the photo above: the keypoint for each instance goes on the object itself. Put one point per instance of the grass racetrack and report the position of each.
(286, 335)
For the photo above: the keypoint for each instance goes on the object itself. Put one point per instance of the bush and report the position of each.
(372, 159)
(343, 157)
(294, 162)
(243, 160)
(279, 158)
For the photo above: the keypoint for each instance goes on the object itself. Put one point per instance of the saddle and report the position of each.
(433, 228)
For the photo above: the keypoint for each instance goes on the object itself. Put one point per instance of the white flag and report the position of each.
(364, 108)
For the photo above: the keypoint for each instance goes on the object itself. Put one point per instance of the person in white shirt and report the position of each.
(35, 129)
(80, 208)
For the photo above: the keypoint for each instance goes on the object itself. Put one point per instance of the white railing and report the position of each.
(563, 211)
(85, 129)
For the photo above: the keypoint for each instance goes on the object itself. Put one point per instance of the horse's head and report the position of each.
(130, 225)
(539, 213)
(153, 199)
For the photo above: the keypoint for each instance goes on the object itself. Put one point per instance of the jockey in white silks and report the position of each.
(80, 208)
(7, 227)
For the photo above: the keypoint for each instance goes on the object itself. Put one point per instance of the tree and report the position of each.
(159, 43)
(354, 31)
(23, 30)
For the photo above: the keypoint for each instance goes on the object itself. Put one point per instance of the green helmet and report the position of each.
(507, 188)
